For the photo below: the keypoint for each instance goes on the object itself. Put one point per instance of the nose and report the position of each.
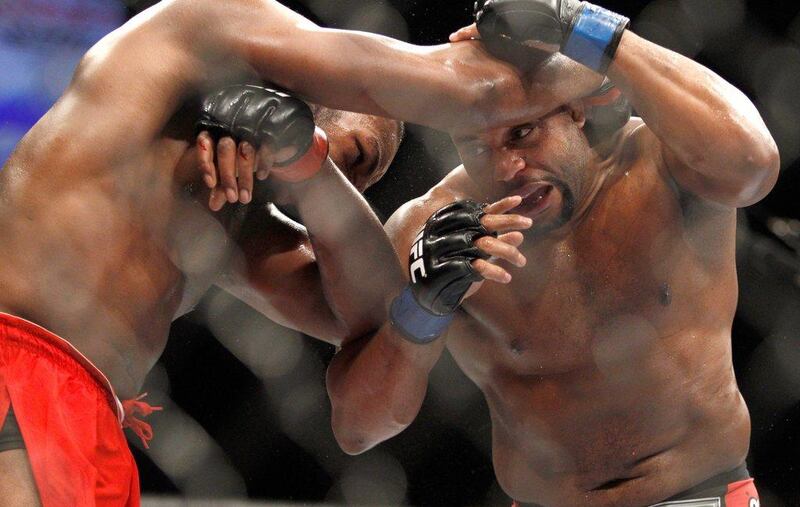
(508, 164)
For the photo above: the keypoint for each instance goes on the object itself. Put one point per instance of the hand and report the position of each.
(458, 249)
(258, 130)
(582, 31)
(229, 168)
(541, 24)
(504, 246)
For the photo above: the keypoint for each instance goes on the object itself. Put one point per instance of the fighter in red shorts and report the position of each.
(106, 235)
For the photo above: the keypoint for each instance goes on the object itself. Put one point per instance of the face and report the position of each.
(362, 146)
(544, 161)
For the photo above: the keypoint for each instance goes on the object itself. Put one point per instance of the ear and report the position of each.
(578, 111)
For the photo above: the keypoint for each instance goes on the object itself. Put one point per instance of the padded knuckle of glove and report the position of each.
(259, 116)
(587, 33)
(440, 262)
(521, 20)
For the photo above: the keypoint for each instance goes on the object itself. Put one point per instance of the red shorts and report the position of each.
(69, 418)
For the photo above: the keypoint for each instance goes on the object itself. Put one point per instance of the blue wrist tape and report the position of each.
(594, 37)
(415, 322)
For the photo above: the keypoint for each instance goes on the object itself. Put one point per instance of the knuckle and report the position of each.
(226, 144)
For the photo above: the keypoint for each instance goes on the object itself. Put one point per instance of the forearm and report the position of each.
(358, 269)
(372, 74)
(377, 387)
(340, 69)
(707, 123)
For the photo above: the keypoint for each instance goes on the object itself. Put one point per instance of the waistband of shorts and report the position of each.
(715, 484)
(35, 338)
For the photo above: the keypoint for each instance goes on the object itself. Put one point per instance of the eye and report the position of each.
(520, 132)
(364, 164)
(360, 157)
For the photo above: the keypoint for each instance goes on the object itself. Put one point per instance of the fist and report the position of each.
(582, 31)
(541, 24)
(259, 116)
(455, 249)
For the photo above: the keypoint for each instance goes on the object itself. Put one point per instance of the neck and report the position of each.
(601, 169)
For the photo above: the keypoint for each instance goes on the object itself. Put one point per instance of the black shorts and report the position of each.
(10, 437)
(733, 488)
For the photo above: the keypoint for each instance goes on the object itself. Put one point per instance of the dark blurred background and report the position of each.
(246, 413)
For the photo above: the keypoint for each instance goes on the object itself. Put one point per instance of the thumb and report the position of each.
(466, 33)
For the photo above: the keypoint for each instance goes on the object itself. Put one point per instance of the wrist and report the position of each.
(307, 165)
(593, 36)
(415, 322)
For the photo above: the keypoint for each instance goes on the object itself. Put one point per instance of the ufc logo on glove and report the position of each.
(417, 262)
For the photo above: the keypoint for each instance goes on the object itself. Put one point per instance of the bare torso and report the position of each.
(105, 256)
(606, 362)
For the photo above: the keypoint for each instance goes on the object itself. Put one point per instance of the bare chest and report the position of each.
(628, 274)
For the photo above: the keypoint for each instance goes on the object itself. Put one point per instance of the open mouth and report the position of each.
(536, 198)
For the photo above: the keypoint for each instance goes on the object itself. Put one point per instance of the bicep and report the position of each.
(720, 189)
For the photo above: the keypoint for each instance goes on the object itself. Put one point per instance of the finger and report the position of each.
(501, 223)
(512, 238)
(491, 271)
(466, 33)
(205, 149)
(217, 199)
(503, 205)
(226, 163)
(245, 165)
(266, 159)
(501, 250)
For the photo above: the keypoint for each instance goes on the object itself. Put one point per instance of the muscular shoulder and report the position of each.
(639, 154)
(641, 145)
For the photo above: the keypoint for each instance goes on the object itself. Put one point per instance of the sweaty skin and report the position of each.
(106, 233)
(606, 361)
(102, 242)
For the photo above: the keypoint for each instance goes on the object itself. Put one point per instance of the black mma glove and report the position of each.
(259, 116)
(587, 33)
(440, 271)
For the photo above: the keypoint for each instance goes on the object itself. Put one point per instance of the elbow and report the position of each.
(760, 169)
(357, 431)
(359, 424)
(352, 444)
(350, 434)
